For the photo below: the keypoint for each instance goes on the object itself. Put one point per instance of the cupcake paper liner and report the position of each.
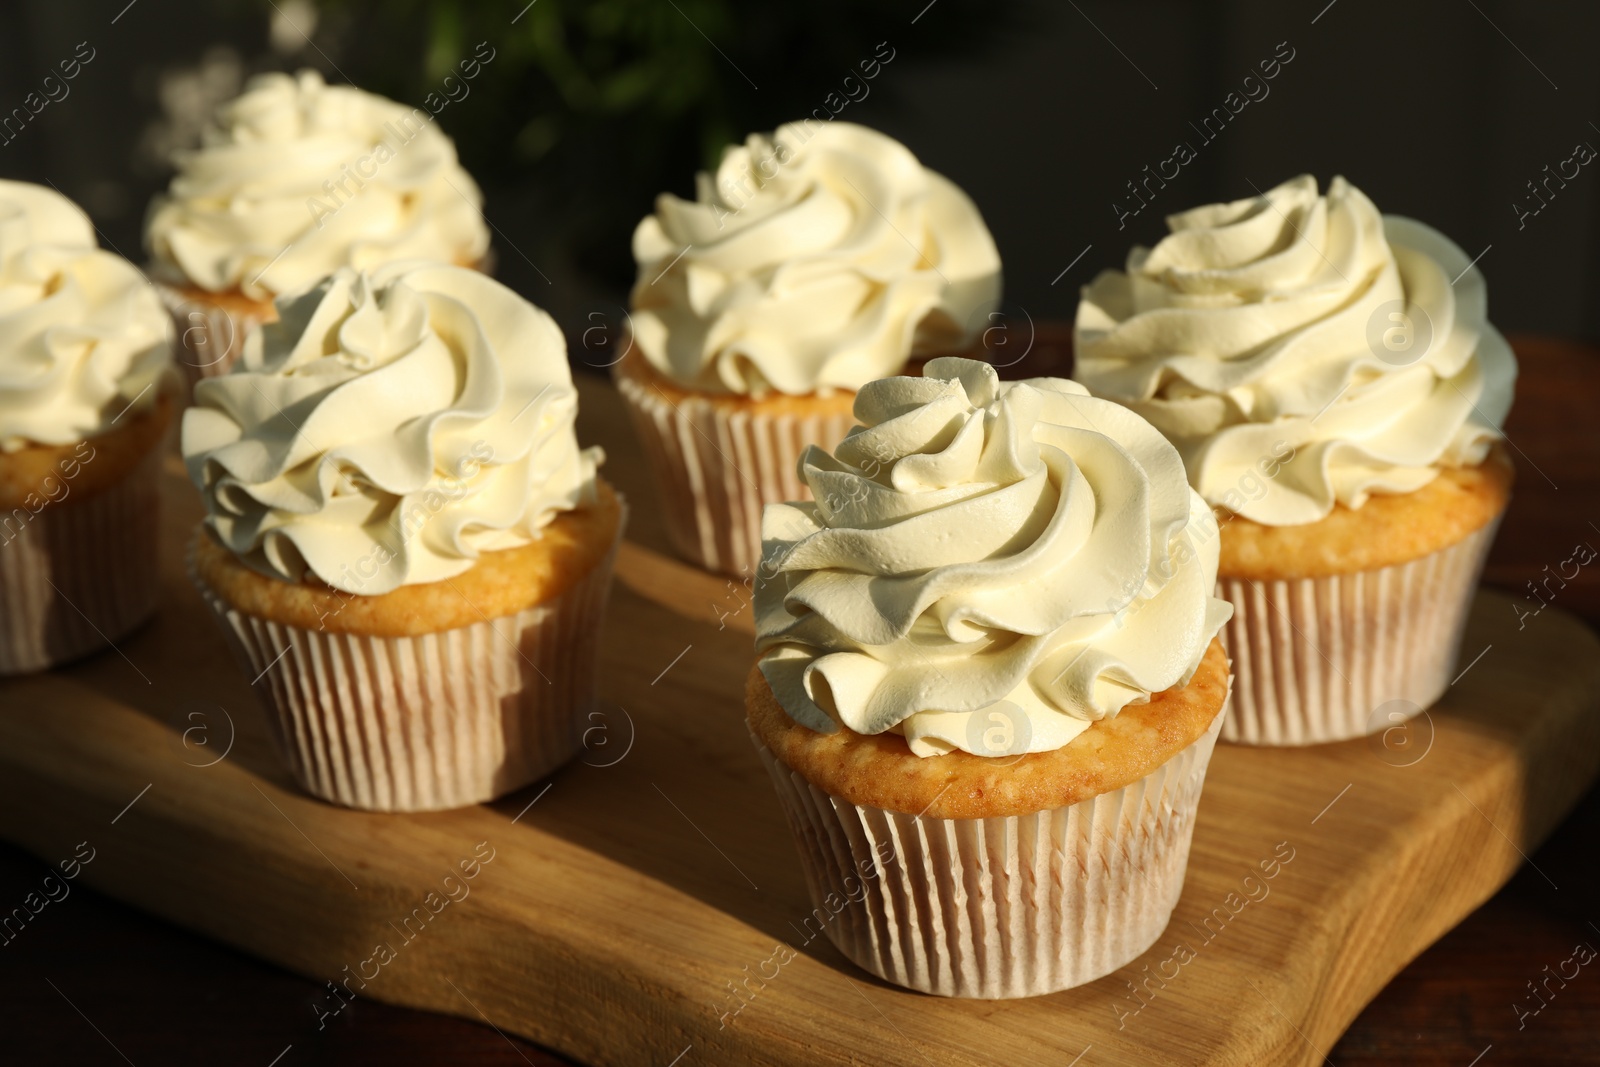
(433, 721)
(1323, 659)
(80, 574)
(718, 469)
(1002, 907)
(208, 337)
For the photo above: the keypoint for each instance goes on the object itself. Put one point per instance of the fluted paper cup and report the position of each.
(433, 721)
(1328, 659)
(80, 574)
(210, 332)
(1002, 907)
(717, 468)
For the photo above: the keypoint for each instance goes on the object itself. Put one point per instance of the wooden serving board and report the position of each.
(627, 896)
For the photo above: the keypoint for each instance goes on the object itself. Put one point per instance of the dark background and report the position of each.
(1042, 111)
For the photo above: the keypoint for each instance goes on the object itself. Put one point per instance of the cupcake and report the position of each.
(406, 547)
(989, 684)
(815, 260)
(87, 392)
(1336, 392)
(293, 180)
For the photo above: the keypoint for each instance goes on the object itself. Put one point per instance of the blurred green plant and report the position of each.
(591, 107)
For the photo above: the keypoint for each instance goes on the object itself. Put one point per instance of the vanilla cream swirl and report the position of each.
(1293, 324)
(818, 257)
(297, 178)
(987, 567)
(388, 429)
(84, 340)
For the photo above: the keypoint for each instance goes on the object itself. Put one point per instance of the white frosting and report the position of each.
(84, 340)
(819, 257)
(296, 179)
(1302, 326)
(987, 566)
(388, 429)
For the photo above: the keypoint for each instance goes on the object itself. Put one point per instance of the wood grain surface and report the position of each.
(626, 895)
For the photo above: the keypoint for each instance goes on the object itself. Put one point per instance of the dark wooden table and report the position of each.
(94, 982)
